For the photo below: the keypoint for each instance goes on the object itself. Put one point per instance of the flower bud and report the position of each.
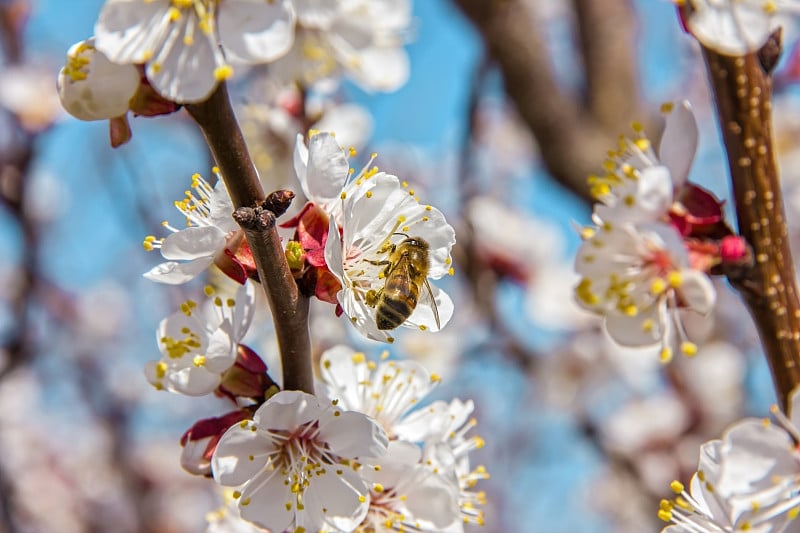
(93, 88)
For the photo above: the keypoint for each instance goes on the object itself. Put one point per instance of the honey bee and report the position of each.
(406, 274)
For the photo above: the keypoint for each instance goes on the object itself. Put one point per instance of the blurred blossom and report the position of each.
(102, 310)
(550, 301)
(47, 197)
(639, 279)
(637, 426)
(27, 91)
(360, 38)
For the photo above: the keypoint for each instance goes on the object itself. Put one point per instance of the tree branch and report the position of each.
(573, 138)
(289, 309)
(742, 91)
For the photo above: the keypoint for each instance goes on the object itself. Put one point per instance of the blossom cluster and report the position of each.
(644, 264)
(362, 461)
(150, 56)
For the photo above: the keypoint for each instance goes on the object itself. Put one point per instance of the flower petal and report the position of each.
(254, 31)
(679, 142)
(288, 410)
(352, 434)
(128, 30)
(231, 462)
(175, 273)
(697, 292)
(193, 243)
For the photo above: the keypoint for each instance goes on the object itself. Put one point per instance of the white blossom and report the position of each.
(639, 279)
(362, 38)
(186, 44)
(377, 214)
(296, 464)
(747, 481)
(385, 391)
(198, 345)
(93, 88)
(210, 232)
(429, 461)
(639, 183)
(736, 27)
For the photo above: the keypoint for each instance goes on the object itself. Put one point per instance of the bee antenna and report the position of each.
(403, 234)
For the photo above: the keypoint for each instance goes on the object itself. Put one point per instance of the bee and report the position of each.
(406, 275)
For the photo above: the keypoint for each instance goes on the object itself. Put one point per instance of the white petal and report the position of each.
(127, 31)
(333, 251)
(679, 142)
(353, 434)
(327, 169)
(423, 313)
(697, 291)
(340, 495)
(231, 462)
(288, 410)
(352, 124)
(221, 352)
(193, 243)
(629, 330)
(344, 376)
(255, 31)
(191, 381)
(175, 273)
(381, 69)
(185, 73)
(105, 91)
(267, 496)
(434, 499)
(731, 30)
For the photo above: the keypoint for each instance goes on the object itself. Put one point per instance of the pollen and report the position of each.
(223, 72)
(676, 486)
(665, 356)
(667, 107)
(199, 360)
(352, 152)
(344, 194)
(689, 349)
(368, 194)
(675, 279)
(642, 144)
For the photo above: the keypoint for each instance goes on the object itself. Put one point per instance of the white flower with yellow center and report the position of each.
(639, 279)
(639, 183)
(186, 44)
(93, 88)
(386, 391)
(429, 464)
(210, 235)
(736, 27)
(198, 345)
(389, 247)
(407, 495)
(360, 38)
(747, 481)
(296, 463)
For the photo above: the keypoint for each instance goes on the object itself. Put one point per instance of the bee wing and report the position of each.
(427, 296)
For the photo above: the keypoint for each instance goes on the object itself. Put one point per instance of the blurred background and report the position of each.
(509, 106)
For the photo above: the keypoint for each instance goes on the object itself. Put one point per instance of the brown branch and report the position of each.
(742, 91)
(573, 138)
(289, 309)
(609, 59)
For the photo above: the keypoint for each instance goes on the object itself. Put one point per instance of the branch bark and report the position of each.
(573, 135)
(742, 90)
(289, 308)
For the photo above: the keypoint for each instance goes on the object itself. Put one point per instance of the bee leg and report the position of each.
(373, 297)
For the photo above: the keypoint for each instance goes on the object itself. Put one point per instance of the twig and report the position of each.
(289, 309)
(742, 90)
